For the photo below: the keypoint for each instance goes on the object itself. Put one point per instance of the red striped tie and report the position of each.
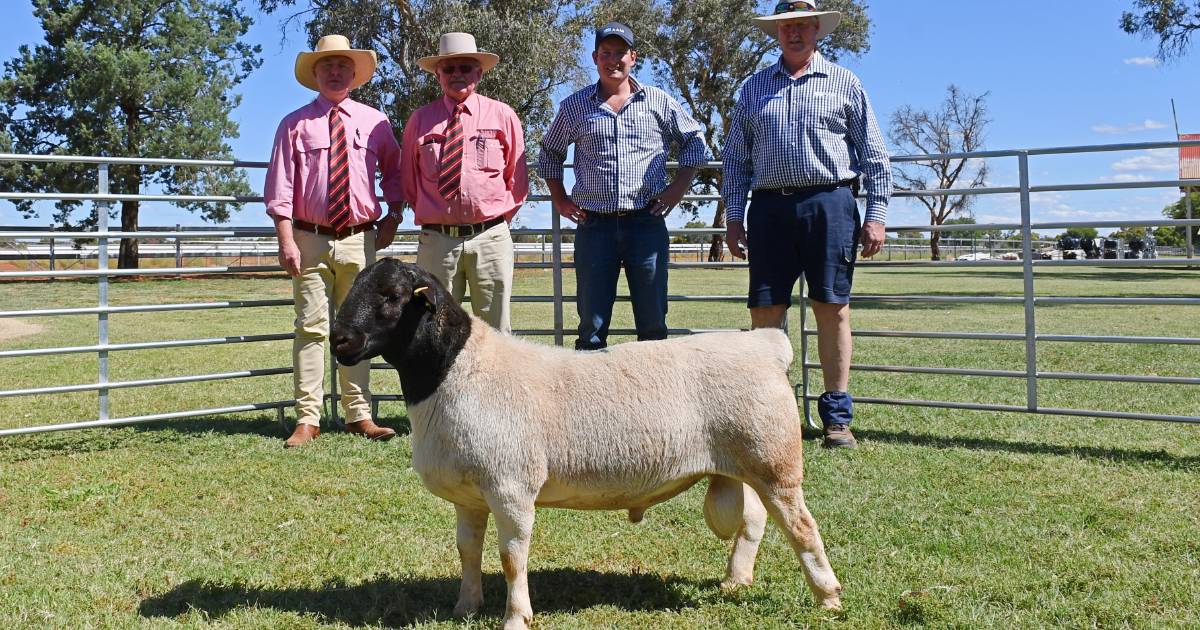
(338, 188)
(450, 167)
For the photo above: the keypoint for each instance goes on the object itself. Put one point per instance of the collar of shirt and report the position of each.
(818, 65)
(472, 103)
(634, 87)
(323, 106)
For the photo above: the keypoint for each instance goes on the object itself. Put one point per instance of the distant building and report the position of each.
(1189, 158)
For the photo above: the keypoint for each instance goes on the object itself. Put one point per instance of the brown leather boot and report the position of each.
(368, 429)
(303, 434)
(839, 436)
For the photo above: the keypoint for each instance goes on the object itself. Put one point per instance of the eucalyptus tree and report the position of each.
(1172, 22)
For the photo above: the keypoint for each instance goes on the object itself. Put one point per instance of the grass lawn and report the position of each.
(940, 519)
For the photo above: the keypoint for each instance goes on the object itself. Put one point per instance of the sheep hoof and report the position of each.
(636, 514)
(517, 622)
(466, 608)
(833, 602)
(731, 584)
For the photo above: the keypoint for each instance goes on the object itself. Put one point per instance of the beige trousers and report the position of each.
(327, 269)
(484, 261)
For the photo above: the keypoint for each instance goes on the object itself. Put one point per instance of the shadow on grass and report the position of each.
(394, 602)
(1117, 455)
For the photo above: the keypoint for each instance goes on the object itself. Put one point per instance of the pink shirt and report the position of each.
(299, 169)
(495, 180)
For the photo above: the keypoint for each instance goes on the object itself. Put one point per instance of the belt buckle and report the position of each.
(787, 191)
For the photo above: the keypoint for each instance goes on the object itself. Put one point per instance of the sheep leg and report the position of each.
(471, 527)
(786, 505)
(745, 546)
(514, 527)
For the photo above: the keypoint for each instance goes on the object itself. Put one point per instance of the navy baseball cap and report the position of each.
(614, 29)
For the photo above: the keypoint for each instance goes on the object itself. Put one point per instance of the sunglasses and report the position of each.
(792, 7)
(463, 68)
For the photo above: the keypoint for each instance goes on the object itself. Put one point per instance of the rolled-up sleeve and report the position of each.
(391, 180)
(873, 160)
(554, 147)
(278, 189)
(693, 153)
(737, 170)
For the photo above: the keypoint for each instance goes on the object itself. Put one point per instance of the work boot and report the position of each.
(368, 429)
(303, 434)
(839, 436)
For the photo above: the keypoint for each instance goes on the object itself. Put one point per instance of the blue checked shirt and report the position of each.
(620, 157)
(814, 130)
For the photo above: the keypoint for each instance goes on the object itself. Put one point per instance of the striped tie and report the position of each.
(338, 198)
(450, 167)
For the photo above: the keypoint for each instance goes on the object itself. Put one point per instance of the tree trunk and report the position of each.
(935, 250)
(128, 258)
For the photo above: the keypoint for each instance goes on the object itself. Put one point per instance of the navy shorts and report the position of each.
(814, 232)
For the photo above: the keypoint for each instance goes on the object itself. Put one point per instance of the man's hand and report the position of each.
(872, 238)
(289, 257)
(385, 230)
(735, 238)
(568, 209)
(670, 197)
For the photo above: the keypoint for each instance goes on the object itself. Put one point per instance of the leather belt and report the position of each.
(328, 231)
(787, 191)
(464, 230)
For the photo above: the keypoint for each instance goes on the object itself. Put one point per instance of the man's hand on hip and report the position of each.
(568, 209)
(872, 238)
(735, 238)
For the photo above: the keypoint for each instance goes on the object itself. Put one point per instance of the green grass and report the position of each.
(941, 519)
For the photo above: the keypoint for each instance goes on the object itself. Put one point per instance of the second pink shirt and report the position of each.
(495, 180)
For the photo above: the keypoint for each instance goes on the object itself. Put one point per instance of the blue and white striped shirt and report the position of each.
(815, 130)
(620, 157)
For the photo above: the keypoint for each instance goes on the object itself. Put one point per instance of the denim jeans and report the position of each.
(604, 244)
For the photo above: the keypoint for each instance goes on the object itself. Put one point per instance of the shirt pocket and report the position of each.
(429, 149)
(314, 164)
(825, 110)
(768, 113)
(489, 149)
(594, 136)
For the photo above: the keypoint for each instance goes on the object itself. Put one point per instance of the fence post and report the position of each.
(102, 289)
(1027, 272)
(1187, 230)
(52, 225)
(556, 257)
(178, 250)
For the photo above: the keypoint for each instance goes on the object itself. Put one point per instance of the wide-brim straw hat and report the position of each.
(454, 46)
(330, 46)
(828, 20)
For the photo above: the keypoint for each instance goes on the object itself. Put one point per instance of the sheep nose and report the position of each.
(345, 341)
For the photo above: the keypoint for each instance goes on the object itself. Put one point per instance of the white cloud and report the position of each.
(1126, 177)
(1156, 160)
(1141, 61)
(1145, 125)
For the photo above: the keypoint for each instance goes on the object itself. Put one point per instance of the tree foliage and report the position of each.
(959, 125)
(128, 79)
(1172, 22)
(1178, 210)
(537, 41)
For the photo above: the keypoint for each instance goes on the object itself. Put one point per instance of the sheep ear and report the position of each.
(427, 296)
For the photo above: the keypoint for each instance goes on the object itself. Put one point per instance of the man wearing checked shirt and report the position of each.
(803, 130)
(622, 132)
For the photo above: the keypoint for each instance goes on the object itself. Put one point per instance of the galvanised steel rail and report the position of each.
(103, 199)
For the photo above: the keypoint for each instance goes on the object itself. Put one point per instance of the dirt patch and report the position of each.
(14, 328)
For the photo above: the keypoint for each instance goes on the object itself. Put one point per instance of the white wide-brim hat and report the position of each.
(331, 46)
(828, 20)
(454, 46)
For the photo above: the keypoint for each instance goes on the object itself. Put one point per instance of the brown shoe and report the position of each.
(303, 434)
(368, 429)
(839, 436)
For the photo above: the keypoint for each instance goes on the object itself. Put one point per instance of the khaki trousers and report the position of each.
(484, 261)
(327, 269)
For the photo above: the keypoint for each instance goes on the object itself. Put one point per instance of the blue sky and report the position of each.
(1059, 74)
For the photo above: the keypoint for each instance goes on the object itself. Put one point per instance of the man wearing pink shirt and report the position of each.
(320, 191)
(464, 174)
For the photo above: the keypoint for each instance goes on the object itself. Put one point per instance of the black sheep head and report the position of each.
(390, 304)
